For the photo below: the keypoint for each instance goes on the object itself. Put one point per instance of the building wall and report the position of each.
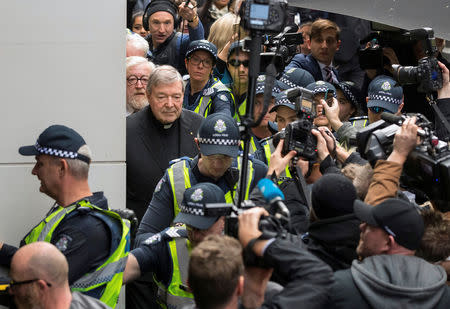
(62, 62)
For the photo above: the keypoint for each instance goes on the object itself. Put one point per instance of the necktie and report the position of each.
(329, 76)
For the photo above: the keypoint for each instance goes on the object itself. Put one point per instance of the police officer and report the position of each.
(266, 127)
(204, 94)
(166, 254)
(94, 240)
(218, 163)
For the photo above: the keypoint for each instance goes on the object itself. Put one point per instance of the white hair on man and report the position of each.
(136, 45)
(136, 60)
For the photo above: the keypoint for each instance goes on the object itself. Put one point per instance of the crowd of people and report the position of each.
(343, 233)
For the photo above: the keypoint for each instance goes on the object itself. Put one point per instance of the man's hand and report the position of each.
(444, 92)
(189, 13)
(278, 163)
(392, 56)
(332, 113)
(322, 149)
(223, 54)
(248, 228)
(405, 141)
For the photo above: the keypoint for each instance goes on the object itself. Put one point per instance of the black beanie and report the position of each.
(332, 196)
(164, 6)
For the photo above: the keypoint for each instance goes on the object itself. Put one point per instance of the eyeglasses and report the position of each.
(377, 109)
(13, 284)
(207, 63)
(132, 80)
(237, 63)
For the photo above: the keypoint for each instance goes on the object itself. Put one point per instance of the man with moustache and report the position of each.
(138, 72)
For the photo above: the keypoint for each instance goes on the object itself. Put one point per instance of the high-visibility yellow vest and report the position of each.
(110, 273)
(180, 180)
(204, 104)
(175, 295)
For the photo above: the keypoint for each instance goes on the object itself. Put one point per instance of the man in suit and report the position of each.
(324, 43)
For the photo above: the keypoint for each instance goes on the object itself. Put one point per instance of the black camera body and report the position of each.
(282, 46)
(427, 168)
(297, 136)
(427, 74)
(264, 15)
(371, 57)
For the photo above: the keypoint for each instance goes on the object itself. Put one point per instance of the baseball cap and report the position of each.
(192, 208)
(295, 77)
(321, 87)
(235, 46)
(202, 45)
(261, 85)
(219, 134)
(352, 93)
(58, 141)
(398, 218)
(384, 93)
(282, 100)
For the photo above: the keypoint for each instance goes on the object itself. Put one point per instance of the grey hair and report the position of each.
(164, 74)
(138, 42)
(136, 60)
(80, 169)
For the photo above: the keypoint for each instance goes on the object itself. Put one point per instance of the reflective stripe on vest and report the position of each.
(110, 273)
(179, 174)
(174, 296)
(253, 147)
(240, 111)
(269, 148)
(205, 101)
(179, 178)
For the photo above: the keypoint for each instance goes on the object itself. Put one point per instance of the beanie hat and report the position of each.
(333, 196)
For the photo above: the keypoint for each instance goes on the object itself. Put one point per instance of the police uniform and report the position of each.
(94, 240)
(214, 97)
(218, 134)
(166, 254)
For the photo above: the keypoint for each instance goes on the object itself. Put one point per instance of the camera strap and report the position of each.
(301, 185)
(439, 114)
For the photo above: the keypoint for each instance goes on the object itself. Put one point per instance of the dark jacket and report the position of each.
(150, 148)
(391, 281)
(444, 107)
(334, 240)
(309, 64)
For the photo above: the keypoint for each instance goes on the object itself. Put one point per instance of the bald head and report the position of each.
(40, 260)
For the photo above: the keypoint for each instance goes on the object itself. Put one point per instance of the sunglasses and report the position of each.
(377, 109)
(237, 63)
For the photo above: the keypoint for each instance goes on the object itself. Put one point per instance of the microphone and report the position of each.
(273, 195)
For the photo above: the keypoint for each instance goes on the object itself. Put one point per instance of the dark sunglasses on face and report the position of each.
(237, 63)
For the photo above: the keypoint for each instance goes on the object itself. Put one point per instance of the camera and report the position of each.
(427, 168)
(297, 135)
(427, 73)
(264, 15)
(282, 47)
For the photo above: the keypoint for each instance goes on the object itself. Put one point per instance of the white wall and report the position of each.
(61, 62)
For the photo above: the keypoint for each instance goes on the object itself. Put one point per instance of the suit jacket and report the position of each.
(150, 148)
(310, 64)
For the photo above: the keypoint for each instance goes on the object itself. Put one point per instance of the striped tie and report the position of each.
(329, 76)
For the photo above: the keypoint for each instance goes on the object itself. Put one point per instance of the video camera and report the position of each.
(297, 135)
(282, 47)
(427, 168)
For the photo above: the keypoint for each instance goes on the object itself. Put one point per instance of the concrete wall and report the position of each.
(61, 62)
